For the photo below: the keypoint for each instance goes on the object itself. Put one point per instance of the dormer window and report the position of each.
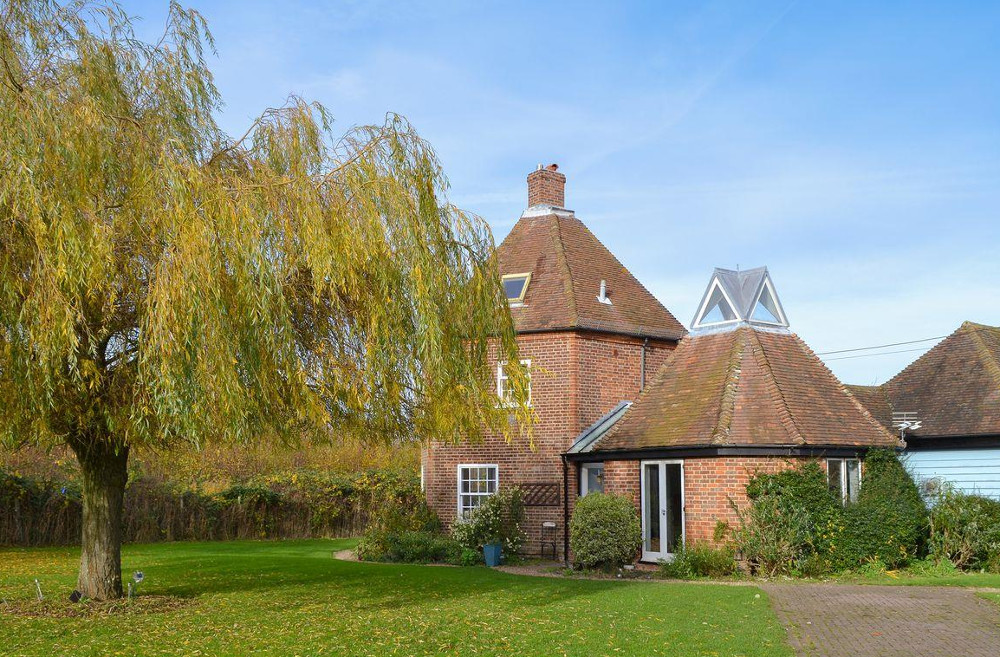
(514, 286)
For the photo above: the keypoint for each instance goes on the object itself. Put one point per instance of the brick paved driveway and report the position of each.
(868, 621)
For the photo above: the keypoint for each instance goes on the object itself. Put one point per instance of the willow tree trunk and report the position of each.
(105, 473)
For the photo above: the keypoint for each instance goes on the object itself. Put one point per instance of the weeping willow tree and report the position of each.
(164, 283)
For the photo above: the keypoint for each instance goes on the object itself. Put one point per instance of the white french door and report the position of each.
(662, 486)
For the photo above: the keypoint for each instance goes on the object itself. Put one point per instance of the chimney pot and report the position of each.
(546, 186)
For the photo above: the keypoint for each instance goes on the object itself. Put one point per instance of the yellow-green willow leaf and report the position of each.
(162, 282)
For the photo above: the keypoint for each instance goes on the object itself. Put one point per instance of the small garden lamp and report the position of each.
(133, 586)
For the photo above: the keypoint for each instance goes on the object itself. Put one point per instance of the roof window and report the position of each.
(735, 297)
(767, 310)
(718, 310)
(514, 286)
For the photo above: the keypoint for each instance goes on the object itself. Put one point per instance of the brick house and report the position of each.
(740, 393)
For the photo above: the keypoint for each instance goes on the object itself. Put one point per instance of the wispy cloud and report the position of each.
(853, 149)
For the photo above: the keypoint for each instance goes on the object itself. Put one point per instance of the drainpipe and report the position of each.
(642, 364)
(565, 511)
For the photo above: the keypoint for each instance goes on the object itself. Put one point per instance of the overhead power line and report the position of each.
(881, 346)
(881, 353)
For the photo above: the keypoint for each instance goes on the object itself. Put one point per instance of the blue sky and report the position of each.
(852, 147)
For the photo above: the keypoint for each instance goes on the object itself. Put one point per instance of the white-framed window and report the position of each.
(717, 307)
(844, 477)
(503, 392)
(476, 482)
(591, 478)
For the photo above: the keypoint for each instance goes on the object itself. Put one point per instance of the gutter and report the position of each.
(709, 451)
(665, 337)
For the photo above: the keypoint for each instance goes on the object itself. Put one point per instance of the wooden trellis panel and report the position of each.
(540, 493)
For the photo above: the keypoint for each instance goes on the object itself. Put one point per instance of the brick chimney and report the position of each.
(546, 186)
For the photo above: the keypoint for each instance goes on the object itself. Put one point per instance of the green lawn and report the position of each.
(908, 578)
(292, 598)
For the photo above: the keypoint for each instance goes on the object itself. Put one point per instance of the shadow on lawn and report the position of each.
(306, 571)
(366, 585)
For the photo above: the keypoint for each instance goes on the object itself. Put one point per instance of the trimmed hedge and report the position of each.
(292, 505)
(605, 531)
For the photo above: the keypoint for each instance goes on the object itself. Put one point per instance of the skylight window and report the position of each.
(515, 285)
(734, 297)
(766, 309)
(718, 309)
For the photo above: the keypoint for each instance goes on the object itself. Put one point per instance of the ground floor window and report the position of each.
(591, 478)
(844, 477)
(475, 483)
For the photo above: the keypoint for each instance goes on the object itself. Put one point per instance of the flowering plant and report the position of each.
(497, 520)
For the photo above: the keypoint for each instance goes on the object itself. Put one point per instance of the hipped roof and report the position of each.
(567, 264)
(954, 389)
(745, 387)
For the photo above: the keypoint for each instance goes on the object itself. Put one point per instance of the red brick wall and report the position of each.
(709, 484)
(575, 378)
(609, 373)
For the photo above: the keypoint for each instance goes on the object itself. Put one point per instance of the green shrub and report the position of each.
(795, 525)
(605, 531)
(409, 547)
(700, 560)
(931, 567)
(965, 530)
(710, 561)
(774, 535)
(790, 524)
(374, 545)
(888, 524)
(497, 520)
(471, 557)
(408, 533)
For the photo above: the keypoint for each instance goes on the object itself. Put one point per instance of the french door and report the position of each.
(662, 484)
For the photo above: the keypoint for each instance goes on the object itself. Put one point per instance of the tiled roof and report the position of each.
(567, 264)
(745, 387)
(954, 388)
(876, 401)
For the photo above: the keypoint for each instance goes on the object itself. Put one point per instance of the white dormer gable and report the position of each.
(735, 297)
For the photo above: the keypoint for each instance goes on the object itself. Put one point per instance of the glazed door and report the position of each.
(662, 484)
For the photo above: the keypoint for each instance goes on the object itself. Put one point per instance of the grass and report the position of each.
(924, 573)
(992, 597)
(293, 598)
